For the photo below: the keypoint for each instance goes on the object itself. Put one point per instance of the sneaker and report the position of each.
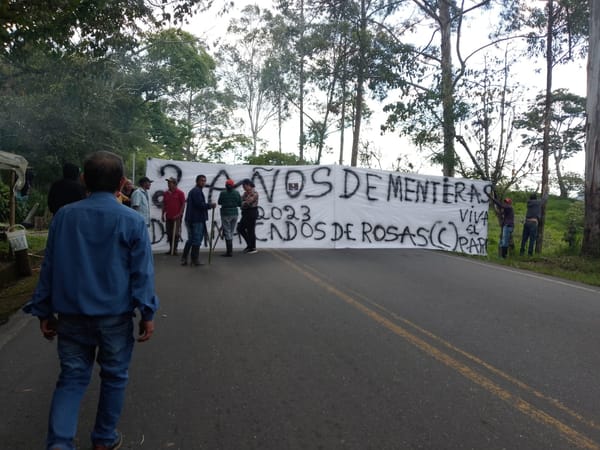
(252, 251)
(114, 446)
(247, 249)
(183, 262)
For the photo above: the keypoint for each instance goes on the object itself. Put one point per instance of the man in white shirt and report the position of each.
(140, 199)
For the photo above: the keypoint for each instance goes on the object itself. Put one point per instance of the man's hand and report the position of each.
(146, 329)
(48, 327)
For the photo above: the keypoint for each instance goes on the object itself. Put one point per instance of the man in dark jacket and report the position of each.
(532, 220)
(67, 190)
(230, 200)
(196, 215)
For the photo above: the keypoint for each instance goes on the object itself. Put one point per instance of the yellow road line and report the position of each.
(513, 400)
(556, 403)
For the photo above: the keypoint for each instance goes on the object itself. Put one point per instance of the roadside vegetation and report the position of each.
(563, 233)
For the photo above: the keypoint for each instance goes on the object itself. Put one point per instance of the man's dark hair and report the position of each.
(103, 171)
(533, 197)
(200, 176)
(70, 171)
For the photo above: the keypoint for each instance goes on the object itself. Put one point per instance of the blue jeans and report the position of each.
(506, 232)
(80, 340)
(195, 231)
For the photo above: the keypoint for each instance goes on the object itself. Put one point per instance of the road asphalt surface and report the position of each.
(339, 349)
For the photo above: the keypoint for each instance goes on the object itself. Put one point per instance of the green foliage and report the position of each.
(574, 231)
(4, 202)
(22, 205)
(275, 159)
(92, 27)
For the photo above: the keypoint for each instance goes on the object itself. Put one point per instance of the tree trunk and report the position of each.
(360, 84)
(301, 82)
(564, 192)
(343, 120)
(547, 118)
(591, 230)
(279, 123)
(447, 89)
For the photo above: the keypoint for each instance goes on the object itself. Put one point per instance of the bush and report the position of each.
(574, 231)
(22, 205)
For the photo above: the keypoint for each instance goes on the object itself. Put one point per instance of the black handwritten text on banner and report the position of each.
(341, 207)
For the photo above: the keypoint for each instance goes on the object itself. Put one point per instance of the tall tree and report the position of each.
(350, 58)
(293, 15)
(244, 66)
(486, 133)
(448, 17)
(566, 134)
(181, 70)
(591, 233)
(429, 101)
(558, 31)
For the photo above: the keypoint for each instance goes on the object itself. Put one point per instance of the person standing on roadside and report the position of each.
(230, 201)
(140, 199)
(532, 220)
(97, 270)
(247, 225)
(67, 190)
(172, 212)
(126, 192)
(196, 215)
(508, 223)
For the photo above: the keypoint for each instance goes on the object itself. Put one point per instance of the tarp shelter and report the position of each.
(18, 165)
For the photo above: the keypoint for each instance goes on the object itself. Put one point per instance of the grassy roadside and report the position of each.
(564, 221)
(14, 296)
(559, 259)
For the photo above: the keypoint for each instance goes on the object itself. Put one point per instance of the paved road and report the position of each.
(345, 349)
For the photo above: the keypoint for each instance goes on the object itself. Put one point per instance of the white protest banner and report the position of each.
(341, 207)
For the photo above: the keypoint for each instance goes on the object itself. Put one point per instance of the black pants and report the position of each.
(173, 226)
(247, 225)
(530, 231)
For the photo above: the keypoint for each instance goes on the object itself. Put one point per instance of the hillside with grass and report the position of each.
(562, 241)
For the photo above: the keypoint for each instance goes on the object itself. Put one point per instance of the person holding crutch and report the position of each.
(230, 200)
(172, 212)
(196, 215)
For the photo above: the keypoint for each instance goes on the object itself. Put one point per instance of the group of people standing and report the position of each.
(530, 225)
(176, 209)
(193, 212)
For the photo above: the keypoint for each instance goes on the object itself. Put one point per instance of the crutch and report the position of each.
(212, 230)
(219, 236)
(174, 236)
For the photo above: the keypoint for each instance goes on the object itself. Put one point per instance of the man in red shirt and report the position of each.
(172, 212)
